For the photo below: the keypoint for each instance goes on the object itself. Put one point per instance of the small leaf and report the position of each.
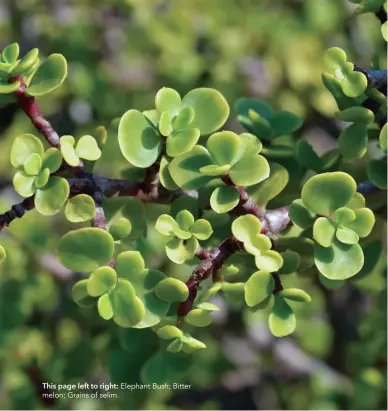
(339, 261)
(201, 229)
(52, 159)
(85, 249)
(165, 176)
(246, 227)
(285, 122)
(24, 184)
(198, 318)
(306, 156)
(42, 178)
(353, 141)
(181, 141)
(363, 223)
(175, 346)
(208, 306)
(295, 294)
(258, 287)
(8, 88)
(223, 147)
(172, 290)
(165, 224)
(80, 208)
(165, 126)
(11, 53)
(184, 118)
(325, 193)
(250, 170)
(49, 76)
(28, 61)
(224, 199)
(168, 99)
(50, 198)
(282, 321)
(139, 142)
(269, 261)
(105, 307)
(354, 84)
(169, 332)
(356, 115)
(33, 164)
(101, 281)
(184, 219)
(80, 296)
(215, 170)
(130, 264)
(291, 262)
(210, 107)
(179, 251)
(344, 215)
(346, 236)
(22, 148)
(120, 228)
(87, 148)
(335, 58)
(69, 155)
(324, 231)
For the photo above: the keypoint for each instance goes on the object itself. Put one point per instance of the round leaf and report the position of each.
(325, 193)
(356, 115)
(69, 155)
(211, 109)
(50, 198)
(295, 294)
(246, 227)
(285, 122)
(23, 147)
(201, 229)
(282, 320)
(224, 199)
(340, 261)
(105, 307)
(165, 176)
(27, 62)
(130, 264)
(85, 249)
(269, 261)
(223, 147)
(101, 281)
(353, 141)
(120, 228)
(169, 332)
(258, 287)
(49, 76)
(172, 290)
(168, 99)
(184, 118)
(344, 215)
(42, 178)
(139, 142)
(24, 184)
(11, 53)
(346, 236)
(185, 219)
(80, 296)
(363, 223)
(335, 58)
(181, 141)
(80, 208)
(291, 262)
(354, 84)
(87, 148)
(324, 231)
(250, 170)
(306, 155)
(52, 159)
(165, 224)
(198, 318)
(165, 126)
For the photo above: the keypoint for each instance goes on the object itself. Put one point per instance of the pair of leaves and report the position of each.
(182, 340)
(184, 233)
(138, 136)
(247, 229)
(260, 119)
(353, 83)
(86, 148)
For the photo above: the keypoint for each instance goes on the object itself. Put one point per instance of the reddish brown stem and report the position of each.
(17, 211)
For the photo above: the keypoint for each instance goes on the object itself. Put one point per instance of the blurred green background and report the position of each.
(120, 52)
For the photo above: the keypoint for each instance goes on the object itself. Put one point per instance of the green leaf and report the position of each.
(211, 292)
(85, 249)
(80, 296)
(172, 290)
(282, 321)
(291, 262)
(27, 62)
(295, 294)
(165, 225)
(353, 141)
(344, 215)
(246, 227)
(49, 76)
(184, 118)
(181, 141)
(223, 147)
(285, 122)
(24, 184)
(243, 105)
(68, 154)
(228, 270)
(354, 84)
(346, 236)
(324, 231)
(250, 170)
(224, 199)
(129, 264)
(269, 261)
(356, 115)
(50, 198)
(358, 201)
(249, 145)
(165, 176)
(22, 148)
(139, 142)
(169, 332)
(306, 156)
(168, 99)
(33, 164)
(120, 228)
(201, 229)
(105, 307)
(101, 281)
(52, 159)
(128, 310)
(11, 53)
(326, 192)
(215, 170)
(184, 169)
(184, 219)
(258, 287)
(42, 178)
(198, 318)
(268, 189)
(180, 251)
(87, 148)
(211, 109)
(377, 173)
(335, 58)
(165, 126)
(301, 215)
(3, 254)
(340, 261)
(383, 138)
(207, 306)
(363, 223)
(80, 208)
(8, 88)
